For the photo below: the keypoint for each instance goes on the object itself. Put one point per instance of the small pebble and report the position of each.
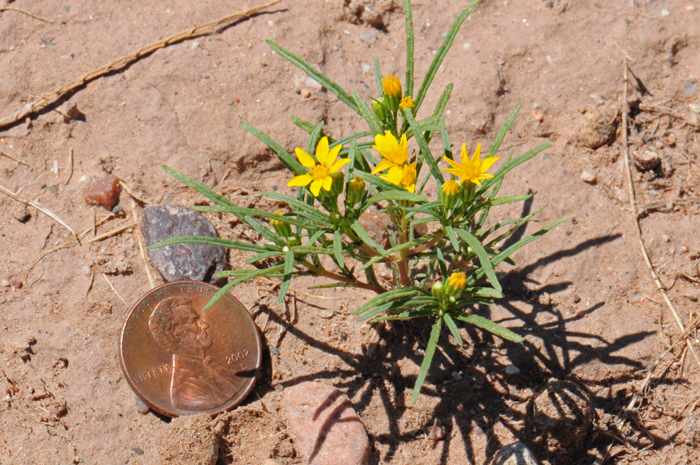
(576, 299)
(194, 45)
(117, 209)
(327, 314)
(137, 450)
(343, 335)
(274, 351)
(598, 99)
(537, 116)
(279, 388)
(142, 407)
(366, 67)
(512, 370)
(646, 160)
(665, 12)
(369, 38)
(549, 4)
(466, 45)
(5, 283)
(544, 299)
(681, 249)
(16, 283)
(271, 23)
(21, 213)
(306, 93)
(104, 192)
(271, 462)
(665, 238)
(457, 375)
(515, 454)
(588, 177)
(436, 433)
(419, 352)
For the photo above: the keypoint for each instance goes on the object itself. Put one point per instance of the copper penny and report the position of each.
(182, 361)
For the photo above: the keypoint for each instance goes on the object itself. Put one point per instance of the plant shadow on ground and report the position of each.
(486, 394)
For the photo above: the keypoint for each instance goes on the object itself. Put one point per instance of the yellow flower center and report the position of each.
(406, 102)
(319, 172)
(392, 86)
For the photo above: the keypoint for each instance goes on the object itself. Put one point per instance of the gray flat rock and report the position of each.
(180, 262)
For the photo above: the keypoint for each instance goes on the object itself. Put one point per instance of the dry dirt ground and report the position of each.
(583, 295)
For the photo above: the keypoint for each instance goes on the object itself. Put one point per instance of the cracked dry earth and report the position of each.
(582, 296)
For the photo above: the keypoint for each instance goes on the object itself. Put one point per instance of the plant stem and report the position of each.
(403, 264)
(327, 274)
(425, 246)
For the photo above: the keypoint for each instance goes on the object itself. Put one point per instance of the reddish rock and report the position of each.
(326, 428)
(104, 192)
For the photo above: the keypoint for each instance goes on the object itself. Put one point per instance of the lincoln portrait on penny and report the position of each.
(197, 383)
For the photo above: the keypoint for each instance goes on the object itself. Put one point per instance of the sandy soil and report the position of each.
(583, 295)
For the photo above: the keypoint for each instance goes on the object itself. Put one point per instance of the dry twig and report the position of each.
(120, 63)
(141, 249)
(18, 10)
(13, 158)
(635, 216)
(43, 210)
(112, 233)
(115, 291)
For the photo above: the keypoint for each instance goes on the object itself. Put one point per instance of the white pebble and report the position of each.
(588, 177)
(327, 314)
(366, 67)
(665, 238)
(466, 45)
(306, 93)
(195, 44)
(665, 13)
(549, 59)
(5, 283)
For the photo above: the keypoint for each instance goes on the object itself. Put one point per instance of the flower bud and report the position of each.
(281, 228)
(407, 103)
(438, 290)
(338, 184)
(455, 284)
(356, 189)
(392, 92)
(449, 194)
(380, 110)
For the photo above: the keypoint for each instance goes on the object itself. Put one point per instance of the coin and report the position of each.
(182, 361)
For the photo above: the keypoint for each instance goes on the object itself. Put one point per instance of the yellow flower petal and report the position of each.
(488, 162)
(327, 183)
(304, 158)
(452, 163)
(302, 180)
(316, 187)
(476, 158)
(383, 165)
(322, 151)
(395, 175)
(333, 154)
(339, 164)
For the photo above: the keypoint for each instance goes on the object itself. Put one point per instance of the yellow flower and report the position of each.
(395, 153)
(319, 175)
(406, 102)
(392, 86)
(473, 170)
(281, 228)
(404, 176)
(455, 284)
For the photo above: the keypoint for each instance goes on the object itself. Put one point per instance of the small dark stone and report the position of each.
(21, 213)
(274, 351)
(72, 113)
(179, 262)
(550, 4)
(343, 335)
(117, 209)
(137, 450)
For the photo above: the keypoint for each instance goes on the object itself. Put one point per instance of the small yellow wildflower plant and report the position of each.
(444, 275)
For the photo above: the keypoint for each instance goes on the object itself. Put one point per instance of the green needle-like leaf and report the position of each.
(425, 150)
(490, 326)
(486, 265)
(366, 112)
(441, 53)
(210, 241)
(453, 237)
(288, 267)
(362, 234)
(287, 160)
(338, 248)
(378, 77)
(503, 131)
(199, 187)
(453, 328)
(315, 136)
(427, 359)
(410, 44)
(389, 295)
(315, 75)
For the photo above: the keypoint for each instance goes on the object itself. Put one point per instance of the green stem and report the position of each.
(425, 246)
(327, 274)
(403, 264)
